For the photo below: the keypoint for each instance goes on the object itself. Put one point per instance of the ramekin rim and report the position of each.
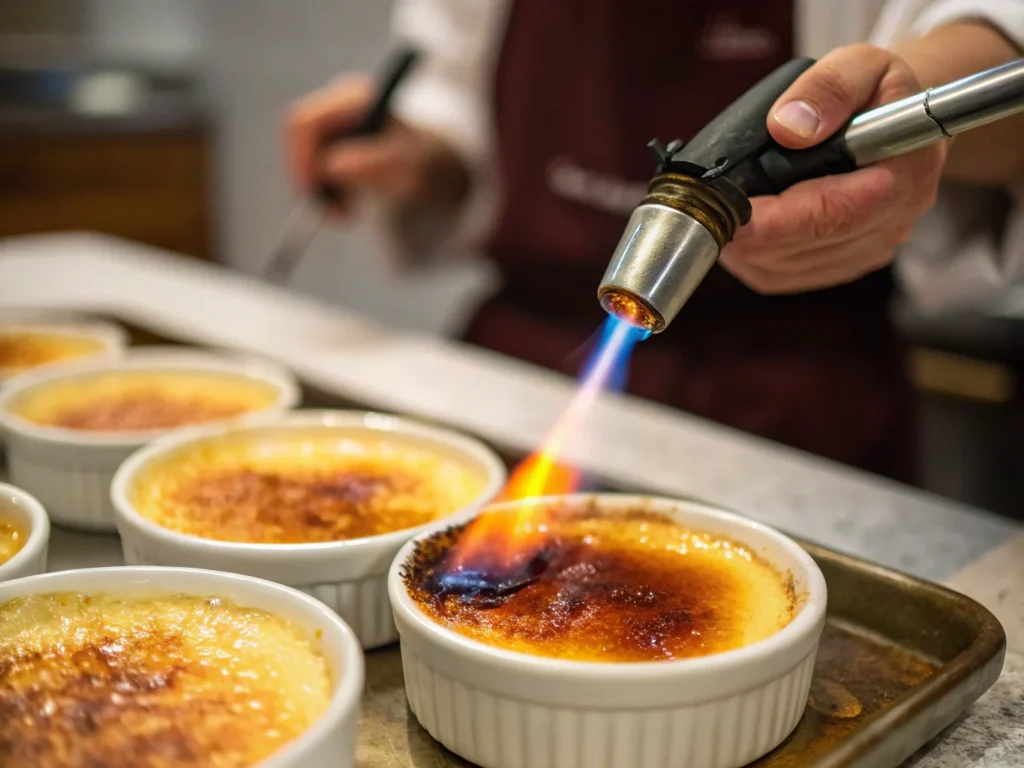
(474, 449)
(38, 534)
(802, 625)
(345, 699)
(156, 357)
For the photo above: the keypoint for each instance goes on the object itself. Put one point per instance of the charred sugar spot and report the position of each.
(597, 591)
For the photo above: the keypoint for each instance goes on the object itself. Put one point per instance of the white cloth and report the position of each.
(966, 250)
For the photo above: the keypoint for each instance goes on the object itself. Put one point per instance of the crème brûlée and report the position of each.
(22, 350)
(127, 401)
(302, 487)
(608, 587)
(152, 682)
(12, 538)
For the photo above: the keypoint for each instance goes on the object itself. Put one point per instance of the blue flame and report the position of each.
(611, 353)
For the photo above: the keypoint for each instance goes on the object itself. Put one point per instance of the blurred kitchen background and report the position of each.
(159, 121)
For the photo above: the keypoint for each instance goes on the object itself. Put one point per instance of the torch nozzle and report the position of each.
(671, 241)
(631, 309)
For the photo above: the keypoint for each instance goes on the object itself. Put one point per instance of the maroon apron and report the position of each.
(582, 86)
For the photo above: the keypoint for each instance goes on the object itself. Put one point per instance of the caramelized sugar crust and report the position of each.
(22, 350)
(138, 400)
(12, 538)
(151, 682)
(302, 487)
(626, 587)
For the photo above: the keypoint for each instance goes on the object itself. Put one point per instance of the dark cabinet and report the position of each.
(148, 186)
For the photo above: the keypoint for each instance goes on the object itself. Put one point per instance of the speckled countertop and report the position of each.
(510, 403)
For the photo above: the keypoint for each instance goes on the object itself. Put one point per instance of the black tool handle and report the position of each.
(741, 130)
(747, 161)
(398, 65)
(772, 168)
(782, 168)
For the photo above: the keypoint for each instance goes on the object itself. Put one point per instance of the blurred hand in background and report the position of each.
(403, 165)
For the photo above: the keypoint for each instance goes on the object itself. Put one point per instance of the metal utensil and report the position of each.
(308, 213)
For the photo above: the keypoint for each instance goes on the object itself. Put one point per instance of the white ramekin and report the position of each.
(112, 338)
(502, 709)
(70, 471)
(349, 576)
(331, 741)
(22, 508)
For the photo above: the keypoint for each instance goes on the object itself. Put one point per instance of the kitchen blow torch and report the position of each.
(700, 194)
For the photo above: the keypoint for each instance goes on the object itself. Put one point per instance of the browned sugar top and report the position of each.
(264, 507)
(138, 400)
(292, 486)
(178, 682)
(143, 412)
(623, 588)
(22, 350)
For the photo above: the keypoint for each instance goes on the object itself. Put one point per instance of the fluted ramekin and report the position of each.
(70, 471)
(331, 741)
(112, 339)
(503, 709)
(349, 576)
(23, 509)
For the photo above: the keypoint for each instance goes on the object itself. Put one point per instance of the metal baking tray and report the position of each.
(900, 661)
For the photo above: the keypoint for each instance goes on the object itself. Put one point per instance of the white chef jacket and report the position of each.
(966, 251)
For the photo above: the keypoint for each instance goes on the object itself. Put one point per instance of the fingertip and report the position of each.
(824, 97)
(795, 123)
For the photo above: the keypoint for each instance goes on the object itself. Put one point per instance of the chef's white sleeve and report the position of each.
(449, 94)
(968, 251)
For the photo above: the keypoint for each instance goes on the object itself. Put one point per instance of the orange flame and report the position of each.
(505, 541)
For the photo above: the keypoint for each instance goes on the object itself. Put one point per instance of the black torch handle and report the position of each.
(782, 168)
(398, 65)
(738, 144)
(746, 160)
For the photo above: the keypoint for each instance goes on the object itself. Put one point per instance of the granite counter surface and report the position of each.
(642, 445)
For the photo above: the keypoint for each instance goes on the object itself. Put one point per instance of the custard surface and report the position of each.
(625, 587)
(151, 682)
(302, 486)
(12, 538)
(21, 350)
(126, 401)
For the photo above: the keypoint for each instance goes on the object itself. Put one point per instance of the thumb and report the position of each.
(827, 95)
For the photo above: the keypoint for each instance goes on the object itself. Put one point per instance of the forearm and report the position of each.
(993, 154)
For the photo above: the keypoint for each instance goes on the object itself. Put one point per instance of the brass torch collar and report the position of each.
(698, 200)
(671, 241)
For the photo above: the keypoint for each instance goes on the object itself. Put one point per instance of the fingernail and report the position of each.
(799, 117)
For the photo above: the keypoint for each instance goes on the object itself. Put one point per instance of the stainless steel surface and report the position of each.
(891, 130)
(979, 99)
(936, 114)
(661, 259)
